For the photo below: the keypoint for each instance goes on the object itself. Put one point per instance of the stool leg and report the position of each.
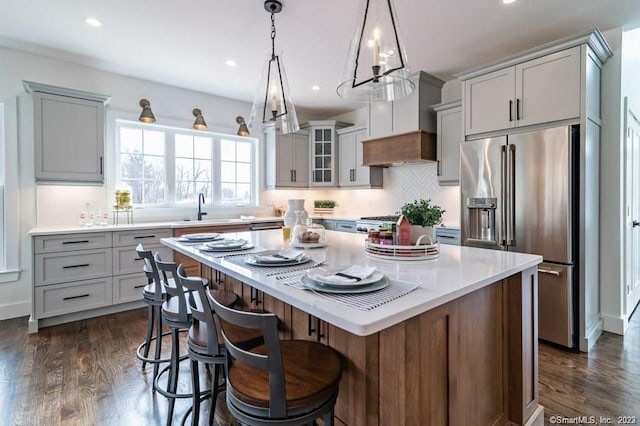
(214, 394)
(328, 418)
(195, 382)
(172, 381)
(147, 339)
(158, 322)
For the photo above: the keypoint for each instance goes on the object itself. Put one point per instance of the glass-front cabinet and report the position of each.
(322, 144)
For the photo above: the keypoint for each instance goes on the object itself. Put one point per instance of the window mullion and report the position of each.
(170, 171)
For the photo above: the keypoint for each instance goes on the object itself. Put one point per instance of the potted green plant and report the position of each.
(323, 206)
(422, 216)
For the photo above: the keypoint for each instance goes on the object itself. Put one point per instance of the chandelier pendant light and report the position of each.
(273, 106)
(376, 67)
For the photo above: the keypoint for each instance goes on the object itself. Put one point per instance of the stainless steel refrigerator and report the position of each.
(518, 193)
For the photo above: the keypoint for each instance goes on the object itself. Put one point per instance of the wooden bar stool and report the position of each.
(205, 343)
(154, 295)
(289, 382)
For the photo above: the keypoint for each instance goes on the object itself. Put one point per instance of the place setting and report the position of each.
(199, 238)
(225, 245)
(353, 279)
(278, 258)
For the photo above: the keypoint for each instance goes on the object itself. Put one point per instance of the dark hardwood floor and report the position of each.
(86, 373)
(606, 383)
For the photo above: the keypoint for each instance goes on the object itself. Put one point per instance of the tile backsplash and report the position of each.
(401, 184)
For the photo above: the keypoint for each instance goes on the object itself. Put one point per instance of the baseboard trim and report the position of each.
(614, 324)
(15, 310)
(35, 324)
(591, 336)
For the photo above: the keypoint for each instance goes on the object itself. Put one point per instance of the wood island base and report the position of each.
(471, 361)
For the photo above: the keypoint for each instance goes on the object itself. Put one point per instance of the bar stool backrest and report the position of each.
(201, 309)
(171, 284)
(270, 362)
(151, 271)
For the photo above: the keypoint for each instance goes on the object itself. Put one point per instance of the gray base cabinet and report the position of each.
(76, 274)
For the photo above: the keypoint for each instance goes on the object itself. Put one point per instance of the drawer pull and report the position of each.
(139, 237)
(84, 265)
(75, 242)
(550, 272)
(138, 258)
(446, 236)
(140, 286)
(80, 296)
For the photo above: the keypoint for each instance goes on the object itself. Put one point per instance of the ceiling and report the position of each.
(186, 43)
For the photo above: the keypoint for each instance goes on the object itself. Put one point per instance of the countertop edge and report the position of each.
(354, 325)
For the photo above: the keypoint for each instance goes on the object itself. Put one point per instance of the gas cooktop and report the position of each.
(388, 218)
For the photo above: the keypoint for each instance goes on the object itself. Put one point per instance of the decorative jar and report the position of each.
(307, 232)
(290, 216)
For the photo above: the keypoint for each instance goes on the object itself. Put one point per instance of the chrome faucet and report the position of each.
(200, 203)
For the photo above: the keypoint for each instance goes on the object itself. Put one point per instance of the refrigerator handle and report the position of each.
(511, 193)
(502, 237)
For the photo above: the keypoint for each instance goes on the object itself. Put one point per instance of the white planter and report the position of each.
(418, 230)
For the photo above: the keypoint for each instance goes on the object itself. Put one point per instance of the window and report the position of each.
(9, 192)
(169, 166)
(142, 164)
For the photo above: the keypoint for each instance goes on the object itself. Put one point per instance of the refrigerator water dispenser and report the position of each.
(481, 219)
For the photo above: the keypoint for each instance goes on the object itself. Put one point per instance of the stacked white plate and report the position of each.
(326, 280)
(278, 258)
(225, 245)
(193, 238)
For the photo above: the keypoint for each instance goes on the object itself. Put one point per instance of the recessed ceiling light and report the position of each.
(508, 1)
(315, 87)
(230, 62)
(93, 22)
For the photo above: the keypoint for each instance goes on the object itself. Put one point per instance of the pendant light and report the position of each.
(272, 105)
(146, 116)
(376, 67)
(199, 123)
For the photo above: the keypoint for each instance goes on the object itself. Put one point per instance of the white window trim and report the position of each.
(187, 212)
(10, 268)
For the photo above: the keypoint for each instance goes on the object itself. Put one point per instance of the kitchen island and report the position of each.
(459, 350)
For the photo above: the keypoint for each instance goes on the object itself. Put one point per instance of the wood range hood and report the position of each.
(411, 147)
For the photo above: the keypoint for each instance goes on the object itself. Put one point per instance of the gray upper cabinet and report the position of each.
(322, 147)
(537, 91)
(410, 113)
(352, 173)
(292, 160)
(449, 136)
(68, 134)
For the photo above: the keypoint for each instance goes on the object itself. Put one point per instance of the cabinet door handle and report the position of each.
(510, 110)
(83, 265)
(101, 166)
(438, 167)
(139, 237)
(138, 258)
(295, 175)
(80, 296)
(291, 175)
(140, 286)
(518, 109)
(75, 242)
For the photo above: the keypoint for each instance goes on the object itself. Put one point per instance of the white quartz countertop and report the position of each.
(51, 230)
(456, 272)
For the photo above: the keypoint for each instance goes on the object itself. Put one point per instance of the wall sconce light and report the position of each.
(242, 130)
(376, 67)
(146, 116)
(199, 124)
(272, 105)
